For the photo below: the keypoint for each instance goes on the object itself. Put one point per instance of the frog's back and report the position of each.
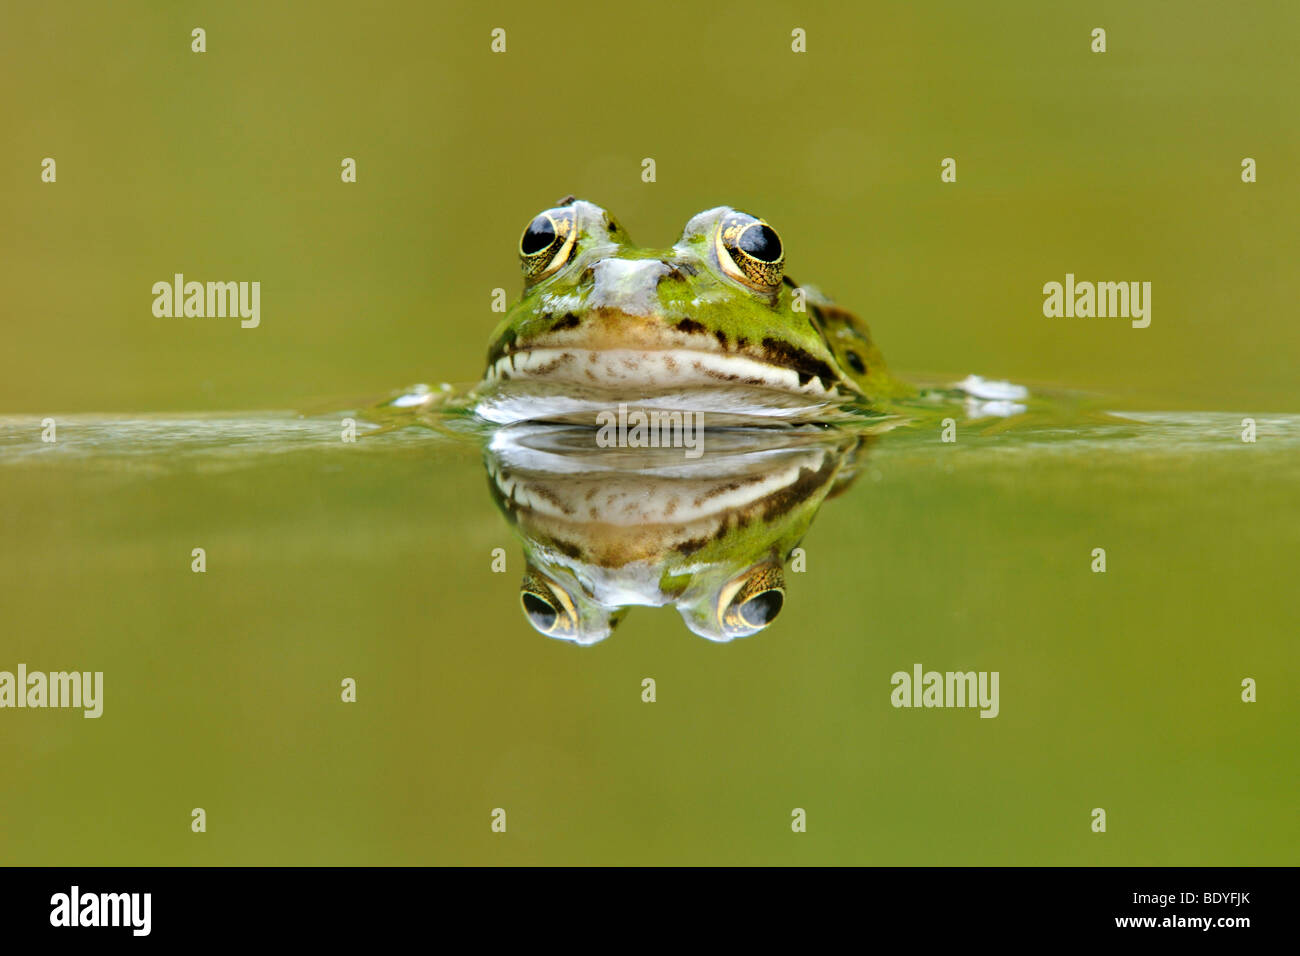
(849, 339)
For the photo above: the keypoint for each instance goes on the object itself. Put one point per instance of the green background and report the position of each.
(1118, 690)
(225, 165)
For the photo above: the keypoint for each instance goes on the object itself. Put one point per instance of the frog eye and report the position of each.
(568, 615)
(752, 601)
(547, 242)
(547, 607)
(750, 251)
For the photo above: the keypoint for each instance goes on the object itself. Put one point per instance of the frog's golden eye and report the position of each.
(548, 608)
(750, 251)
(752, 601)
(547, 242)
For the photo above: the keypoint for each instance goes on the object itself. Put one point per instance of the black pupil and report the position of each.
(761, 242)
(759, 610)
(855, 362)
(539, 234)
(539, 612)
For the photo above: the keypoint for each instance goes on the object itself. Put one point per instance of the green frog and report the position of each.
(711, 325)
(710, 333)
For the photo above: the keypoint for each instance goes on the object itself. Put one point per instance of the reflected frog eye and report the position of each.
(750, 251)
(752, 601)
(548, 609)
(762, 608)
(547, 242)
(540, 612)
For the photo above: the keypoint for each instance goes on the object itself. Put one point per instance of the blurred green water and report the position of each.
(1119, 690)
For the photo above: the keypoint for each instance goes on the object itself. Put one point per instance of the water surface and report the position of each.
(372, 560)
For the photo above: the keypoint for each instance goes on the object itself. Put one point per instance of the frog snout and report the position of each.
(629, 285)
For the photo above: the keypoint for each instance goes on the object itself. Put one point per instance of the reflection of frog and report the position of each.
(607, 528)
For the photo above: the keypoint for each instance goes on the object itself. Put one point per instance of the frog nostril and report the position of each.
(678, 271)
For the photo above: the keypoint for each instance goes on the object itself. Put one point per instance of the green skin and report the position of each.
(676, 319)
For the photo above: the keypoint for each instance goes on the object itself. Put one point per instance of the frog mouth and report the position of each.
(637, 372)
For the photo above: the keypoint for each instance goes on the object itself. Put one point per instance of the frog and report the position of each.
(711, 324)
(606, 529)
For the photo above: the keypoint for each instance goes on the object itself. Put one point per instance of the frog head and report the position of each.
(712, 322)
